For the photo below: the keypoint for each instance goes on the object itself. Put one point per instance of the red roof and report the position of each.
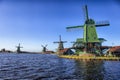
(115, 49)
(64, 50)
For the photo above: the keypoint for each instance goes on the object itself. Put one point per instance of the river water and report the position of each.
(51, 67)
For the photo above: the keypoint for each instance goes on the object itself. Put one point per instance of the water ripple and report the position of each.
(51, 67)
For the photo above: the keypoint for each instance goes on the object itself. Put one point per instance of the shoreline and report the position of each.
(89, 58)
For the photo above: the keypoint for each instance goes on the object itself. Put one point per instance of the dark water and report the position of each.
(51, 67)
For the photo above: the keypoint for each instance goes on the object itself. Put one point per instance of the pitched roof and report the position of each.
(115, 49)
(64, 50)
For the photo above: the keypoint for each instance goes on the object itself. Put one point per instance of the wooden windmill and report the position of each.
(90, 41)
(19, 48)
(44, 48)
(60, 42)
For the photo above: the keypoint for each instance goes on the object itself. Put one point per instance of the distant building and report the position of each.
(5, 51)
(114, 51)
(66, 51)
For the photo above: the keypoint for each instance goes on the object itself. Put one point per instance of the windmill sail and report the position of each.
(102, 23)
(86, 12)
(74, 28)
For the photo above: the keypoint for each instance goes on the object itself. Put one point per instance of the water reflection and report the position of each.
(89, 70)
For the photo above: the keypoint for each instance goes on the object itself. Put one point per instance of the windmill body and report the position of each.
(90, 34)
(19, 48)
(44, 48)
(90, 43)
(60, 42)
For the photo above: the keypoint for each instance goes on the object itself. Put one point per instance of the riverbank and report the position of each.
(90, 58)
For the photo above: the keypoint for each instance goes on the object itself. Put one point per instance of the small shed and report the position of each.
(114, 51)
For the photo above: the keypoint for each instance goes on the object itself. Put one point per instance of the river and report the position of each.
(51, 67)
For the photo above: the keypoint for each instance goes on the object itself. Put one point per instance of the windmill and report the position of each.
(44, 48)
(90, 39)
(60, 42)
(18, 48)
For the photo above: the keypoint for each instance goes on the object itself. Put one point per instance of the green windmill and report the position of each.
(90, 43)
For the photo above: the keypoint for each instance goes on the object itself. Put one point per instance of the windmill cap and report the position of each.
(90, 21)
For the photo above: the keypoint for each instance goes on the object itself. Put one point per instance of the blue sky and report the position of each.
(39, 22)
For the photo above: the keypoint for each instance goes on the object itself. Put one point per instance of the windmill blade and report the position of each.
(64, 41)
(21, 47)
(42, 46)
(86, 12)
(46, 45)
(74, 27)
(72, 42)
(56, 42)
(102, 23)
(19, 44)
(59, 37)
